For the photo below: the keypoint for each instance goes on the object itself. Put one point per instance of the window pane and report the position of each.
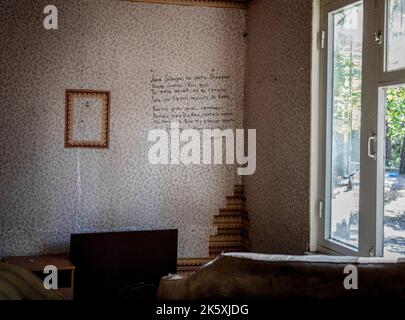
(394, 196)
(346, 112)
(395, 35)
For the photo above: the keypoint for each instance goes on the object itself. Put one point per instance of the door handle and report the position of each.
(370, 153)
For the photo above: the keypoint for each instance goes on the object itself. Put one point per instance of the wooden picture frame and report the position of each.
(87, 118)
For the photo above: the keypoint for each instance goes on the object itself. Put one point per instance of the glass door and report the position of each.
(394, 170)
(343, 51)
(345, 124)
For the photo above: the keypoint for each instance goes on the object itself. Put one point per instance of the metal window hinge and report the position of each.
(320, 209)
(323, 39)
(378, 37)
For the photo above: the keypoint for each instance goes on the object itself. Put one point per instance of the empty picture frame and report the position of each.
(87, 118)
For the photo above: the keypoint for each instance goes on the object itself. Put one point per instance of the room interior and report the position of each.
(85, 82)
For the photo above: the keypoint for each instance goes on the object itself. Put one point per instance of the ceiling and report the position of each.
(202, 3)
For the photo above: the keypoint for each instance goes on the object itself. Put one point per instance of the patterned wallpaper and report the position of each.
(48, 192)
(278, 76)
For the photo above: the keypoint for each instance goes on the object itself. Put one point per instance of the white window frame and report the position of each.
(375, 78)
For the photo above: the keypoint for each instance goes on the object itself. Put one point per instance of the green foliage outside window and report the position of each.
(395, 122)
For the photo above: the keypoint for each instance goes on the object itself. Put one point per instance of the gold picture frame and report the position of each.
(87, 118)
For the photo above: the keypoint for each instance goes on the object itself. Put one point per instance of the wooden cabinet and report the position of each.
(36, 265)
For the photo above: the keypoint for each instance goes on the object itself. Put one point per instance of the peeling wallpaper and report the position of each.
(48, 192)
(278, 105)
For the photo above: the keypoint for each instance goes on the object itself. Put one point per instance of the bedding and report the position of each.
(17, 283)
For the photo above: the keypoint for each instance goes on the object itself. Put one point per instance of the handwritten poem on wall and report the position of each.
(195, 100)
